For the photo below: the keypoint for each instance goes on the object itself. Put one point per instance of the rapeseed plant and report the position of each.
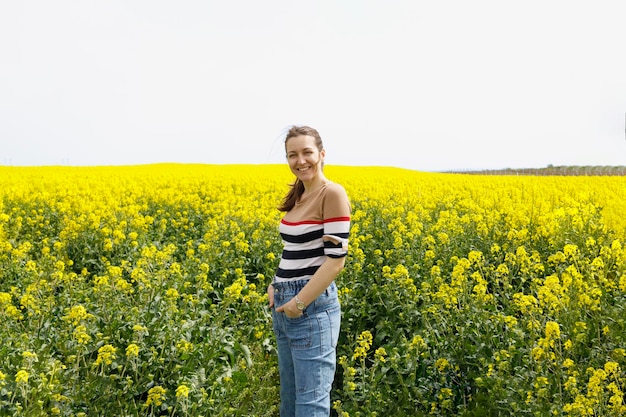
(461, 294)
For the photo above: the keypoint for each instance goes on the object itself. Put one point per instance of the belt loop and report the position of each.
(330, 288)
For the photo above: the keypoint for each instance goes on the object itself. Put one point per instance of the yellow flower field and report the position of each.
(141, 291)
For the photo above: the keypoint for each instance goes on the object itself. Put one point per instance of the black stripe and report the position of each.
(343, 255)
(303, 254)
(307, 237)
(294, 273)
(332, 245)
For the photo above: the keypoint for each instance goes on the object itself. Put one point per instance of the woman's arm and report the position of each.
(318, 283)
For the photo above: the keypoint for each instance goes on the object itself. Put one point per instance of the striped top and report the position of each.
(316, 227)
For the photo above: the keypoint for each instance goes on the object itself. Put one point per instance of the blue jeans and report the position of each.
(306, 351)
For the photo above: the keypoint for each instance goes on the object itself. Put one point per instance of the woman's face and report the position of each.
(305, 160)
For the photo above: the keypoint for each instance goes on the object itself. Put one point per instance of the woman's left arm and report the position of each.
(318, 283)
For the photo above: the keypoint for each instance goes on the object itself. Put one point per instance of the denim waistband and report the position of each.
(293, 287)
(290, 285)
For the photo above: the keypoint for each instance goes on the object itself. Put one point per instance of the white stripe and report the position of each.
(337, 227)
(336, 251)
(313, 244)
(291, 264)
(299, 229)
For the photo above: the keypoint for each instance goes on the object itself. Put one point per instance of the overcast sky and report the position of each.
(427, 85)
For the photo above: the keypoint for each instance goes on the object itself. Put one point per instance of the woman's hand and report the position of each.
(270, 295)
(290, 309)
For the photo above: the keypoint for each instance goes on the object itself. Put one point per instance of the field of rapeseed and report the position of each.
(140, 291)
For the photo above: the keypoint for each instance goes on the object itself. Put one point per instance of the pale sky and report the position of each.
(427, 85)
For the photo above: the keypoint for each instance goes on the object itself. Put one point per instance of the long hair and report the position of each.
(297, 188)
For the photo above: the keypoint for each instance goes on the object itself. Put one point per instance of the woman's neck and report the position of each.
(315, 183)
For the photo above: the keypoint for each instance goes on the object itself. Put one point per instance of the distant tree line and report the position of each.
(551, 170)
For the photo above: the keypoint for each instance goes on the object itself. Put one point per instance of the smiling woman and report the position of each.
(307, 315)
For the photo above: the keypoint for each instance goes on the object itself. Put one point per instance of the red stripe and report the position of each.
(283, 221)
(337, 219)
(333, 219)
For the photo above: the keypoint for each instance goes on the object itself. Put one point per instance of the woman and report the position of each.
(306, 313)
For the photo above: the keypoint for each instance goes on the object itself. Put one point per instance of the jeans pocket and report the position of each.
(334, 316)
(299, 331)
(325, 301)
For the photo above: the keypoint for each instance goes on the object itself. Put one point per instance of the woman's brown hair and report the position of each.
(297, 188)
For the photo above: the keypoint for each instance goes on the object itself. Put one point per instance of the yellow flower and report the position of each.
(580, 326)
(156, 396)
(445, 393)
(21, 377)
(510, 321)
(106, 355)
(552, 330)
(5, 298)
(418, 342)
(234, 290)
(571, 251)
(81, 335)
(132, 351)
(184, 346)
(172, 294)
(568, 363)
(380, 354)
(527, 304)
(76, 314)
(617, 399)
(182, 391)
(571, 385)
(140, 329)
(364, 342)
(541, 382)
(538, 353)
(612, 368)
(620, 352)
(442, 364)
(476, 258)
(30, 302)
(13, 312)
(124, 286)
(359, 352)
